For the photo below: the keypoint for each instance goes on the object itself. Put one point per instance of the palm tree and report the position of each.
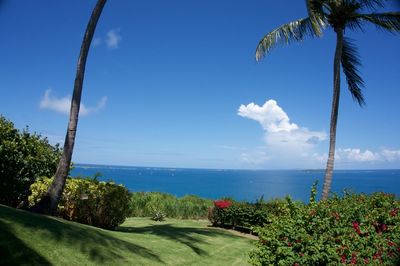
(341, 15)
(48, 204)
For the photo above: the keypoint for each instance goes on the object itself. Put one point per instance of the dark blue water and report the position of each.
(242, 184)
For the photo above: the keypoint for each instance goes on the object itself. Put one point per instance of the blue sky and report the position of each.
(175, 84)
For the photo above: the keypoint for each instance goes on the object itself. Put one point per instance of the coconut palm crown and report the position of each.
(340, 15)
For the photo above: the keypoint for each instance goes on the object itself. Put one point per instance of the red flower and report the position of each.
(343, 259)
(390, 243)
(222, 204)
(356, 227)
(394, 212)
(366, 261)
(384, 227)
(377, 255)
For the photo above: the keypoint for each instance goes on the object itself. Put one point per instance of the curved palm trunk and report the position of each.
(334, 114)
(48, 204)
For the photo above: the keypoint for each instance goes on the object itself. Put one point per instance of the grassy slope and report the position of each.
(29, 239)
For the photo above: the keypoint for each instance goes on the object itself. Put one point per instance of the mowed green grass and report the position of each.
(30, 239)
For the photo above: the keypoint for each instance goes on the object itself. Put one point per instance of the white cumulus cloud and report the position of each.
(280, 133)
(113, 38)
(356, 155)
(62, 105)
(390, 155)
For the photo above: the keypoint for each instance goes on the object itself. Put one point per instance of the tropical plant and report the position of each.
(186, 207)
(48, 204)
(88, 201)
(24, 157)
(355, 229)
(340, 15)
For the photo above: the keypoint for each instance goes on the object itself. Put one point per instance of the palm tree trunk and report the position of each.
(334, 114)
(48, 204)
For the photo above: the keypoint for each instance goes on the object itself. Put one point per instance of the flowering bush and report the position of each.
(222, 204)
(349, 230)
(242, 216)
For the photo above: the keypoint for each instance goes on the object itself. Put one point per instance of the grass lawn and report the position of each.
(30, 239)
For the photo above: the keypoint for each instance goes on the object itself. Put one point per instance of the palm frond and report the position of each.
(386, 21)
(350, 62)
(372, 4)
(293, 31)
(315, 13)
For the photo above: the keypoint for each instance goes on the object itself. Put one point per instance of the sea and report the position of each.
(243, 185)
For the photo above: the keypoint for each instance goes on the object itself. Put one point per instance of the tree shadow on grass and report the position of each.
(189, 236)
(99, 244)
(13, 251)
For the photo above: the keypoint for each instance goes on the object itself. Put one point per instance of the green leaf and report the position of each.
(293, 31)
(350, 62)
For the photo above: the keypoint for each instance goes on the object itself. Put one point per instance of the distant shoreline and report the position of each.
(88, 165)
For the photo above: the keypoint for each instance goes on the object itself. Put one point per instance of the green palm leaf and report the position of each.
(386, 21)
(372, 4)
(350, 61)
(315, 12)
(293, 31)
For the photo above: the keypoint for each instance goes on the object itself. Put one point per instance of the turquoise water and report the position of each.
(242, 184)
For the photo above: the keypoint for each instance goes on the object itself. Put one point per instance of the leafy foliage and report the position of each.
(350, 62)
(187, 207)
(293, 31)
(243, 216)
(24, 157)
(353, 229)
(88, 201)
(158, 216)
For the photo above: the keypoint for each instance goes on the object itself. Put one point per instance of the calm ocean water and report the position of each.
(242, 184)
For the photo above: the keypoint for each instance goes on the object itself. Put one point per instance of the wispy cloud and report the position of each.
(97, 41)
(113, 38)
(356, 155)
(390, 155)
(255, 158)
(62, 105)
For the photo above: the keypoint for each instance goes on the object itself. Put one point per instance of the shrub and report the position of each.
(158, 216)
(88, 201)
(243, 216)
(349, 230)
(24, 157)
(187, 207)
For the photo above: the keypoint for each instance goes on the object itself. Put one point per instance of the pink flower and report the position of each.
(343, 259)
(356, 227)
(222, 204)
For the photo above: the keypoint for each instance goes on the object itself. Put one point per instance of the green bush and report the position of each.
(158, 216)
(187, 207)
(24, 157)
(243, 216)
(88, 201)
(349, 230)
